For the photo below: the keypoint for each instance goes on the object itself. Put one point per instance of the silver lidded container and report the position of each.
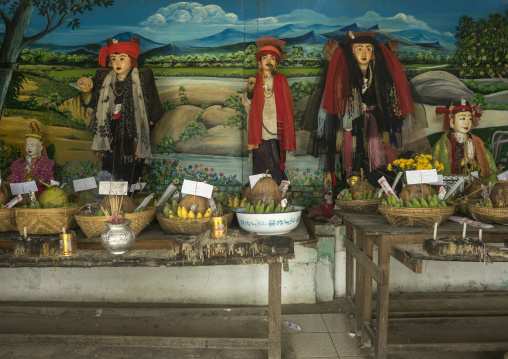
(118, 238)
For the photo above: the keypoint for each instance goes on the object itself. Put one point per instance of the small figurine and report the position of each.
(269, 102)
(125, 106)
(458, 149)
(36, 166)
(367, 88)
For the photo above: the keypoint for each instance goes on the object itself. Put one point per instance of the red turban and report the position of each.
(128, 48)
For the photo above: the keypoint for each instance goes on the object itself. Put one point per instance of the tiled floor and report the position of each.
(324, 329)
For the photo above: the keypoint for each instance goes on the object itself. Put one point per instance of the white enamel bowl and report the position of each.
(269, 223)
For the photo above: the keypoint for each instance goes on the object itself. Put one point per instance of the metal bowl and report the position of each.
(269, 223)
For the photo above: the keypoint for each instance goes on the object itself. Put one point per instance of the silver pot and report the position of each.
(118, 238)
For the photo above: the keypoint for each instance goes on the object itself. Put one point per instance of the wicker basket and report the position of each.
(487, 214)
(365, 206)
(93, 226)
(184, 226)
(461, 205)
(416, 217)
(45, 221)
(7, 219)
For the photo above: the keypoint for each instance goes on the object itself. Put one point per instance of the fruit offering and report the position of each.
(271, 208)
(235, 202)
(178, 211)
(432, 201)
(37, 205)
(346, 195)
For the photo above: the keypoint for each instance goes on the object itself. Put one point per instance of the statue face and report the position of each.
(267, 63)
(363, 53)
(33, 147)
(462, 122)
(121, 63)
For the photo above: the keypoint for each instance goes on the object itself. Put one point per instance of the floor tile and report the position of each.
(348, 345)
(308, 345)
(337, 322)
(308, 323)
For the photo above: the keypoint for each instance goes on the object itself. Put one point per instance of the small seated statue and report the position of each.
(458, 149)
(36, 166)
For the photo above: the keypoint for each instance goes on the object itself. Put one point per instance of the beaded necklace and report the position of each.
(31, 166)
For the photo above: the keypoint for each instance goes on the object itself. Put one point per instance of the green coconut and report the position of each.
(53, 197)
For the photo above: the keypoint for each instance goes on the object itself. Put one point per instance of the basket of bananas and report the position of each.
(493, 209)
(415, 207)
(366, 202)
(192, 215)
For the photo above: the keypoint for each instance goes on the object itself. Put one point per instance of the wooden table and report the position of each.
(362, 233)
(153, 248)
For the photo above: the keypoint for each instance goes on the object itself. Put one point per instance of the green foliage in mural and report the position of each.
(169, 105)
(237, 121)
(301, 89)
(183, 96)
(50, 151)
(71, 170)
(234, 102)
(166, 146)
(194, 130)
(481, 46)
(8, 154)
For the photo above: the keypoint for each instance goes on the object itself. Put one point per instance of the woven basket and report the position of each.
(461, 205)
(93, 226)
(45, 221)
(365, 206)
(184, 226)
(416, 217)
(7, 220)
(487, 214)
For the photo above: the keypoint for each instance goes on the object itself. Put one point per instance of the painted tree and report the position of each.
(16, 15)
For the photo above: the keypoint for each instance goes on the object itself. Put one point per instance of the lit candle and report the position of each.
(480, 234)
(435, 230)
(464, 231)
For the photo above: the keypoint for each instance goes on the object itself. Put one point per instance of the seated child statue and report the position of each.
(458, 149)
(36, 166)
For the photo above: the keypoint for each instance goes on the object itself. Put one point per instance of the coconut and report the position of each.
(359, 187)
(190, 200)
(4, 195)
(499, 194)
(127, 205)
(418, 191)
(53, 197)
(266, 190)
(473, 190)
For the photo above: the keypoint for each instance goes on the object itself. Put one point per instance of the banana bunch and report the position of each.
(261, 208)
(431, 202)
(235, 202)
(348, 196)
(37, 205)
(182, 212)
(484, 203)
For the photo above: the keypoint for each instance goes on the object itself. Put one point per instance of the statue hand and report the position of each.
(85, 84)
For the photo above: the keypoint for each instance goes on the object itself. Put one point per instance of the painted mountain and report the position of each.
(223, 38)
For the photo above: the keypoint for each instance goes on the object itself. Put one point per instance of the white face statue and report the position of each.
(267, 63)
(363, 54)
(33, 147)
(121, 63)
(462, 122)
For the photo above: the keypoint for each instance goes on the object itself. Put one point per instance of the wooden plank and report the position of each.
(274, 310)
(134, 341)
(448, 347)
(400, 254)
(369, 265)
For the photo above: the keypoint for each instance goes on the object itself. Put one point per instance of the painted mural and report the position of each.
(202, 55)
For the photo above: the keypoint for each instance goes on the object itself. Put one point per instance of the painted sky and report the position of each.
(169, 21)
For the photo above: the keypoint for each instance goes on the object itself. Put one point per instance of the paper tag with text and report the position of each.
(169, 190)
(422, 176)
(23, 187)
(145, 201)
(197, 188)
(113, 188)
(137, 186)
(503, 176)
(84, 184)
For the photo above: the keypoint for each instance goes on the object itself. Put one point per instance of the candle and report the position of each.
(480, 234)
(464, 231)
(63, 230)
(435, 230)
(24, 232)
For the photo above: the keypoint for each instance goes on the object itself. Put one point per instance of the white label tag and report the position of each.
(84, 184)
(169, 190)
(23, 187)
(503, 176)
(137, 186)
(422, 176)
(54, 183)
(197, 188)
(439, 181)
(113, 188)
(145, 201)
(255, 178)
(454, 187)
(386, 187)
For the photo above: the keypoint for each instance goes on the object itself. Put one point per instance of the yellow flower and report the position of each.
(389, 167)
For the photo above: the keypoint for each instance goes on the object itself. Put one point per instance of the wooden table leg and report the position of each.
(383, 294)
(350, 272)
(367, 291)
(360, 289)
(274, 310)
